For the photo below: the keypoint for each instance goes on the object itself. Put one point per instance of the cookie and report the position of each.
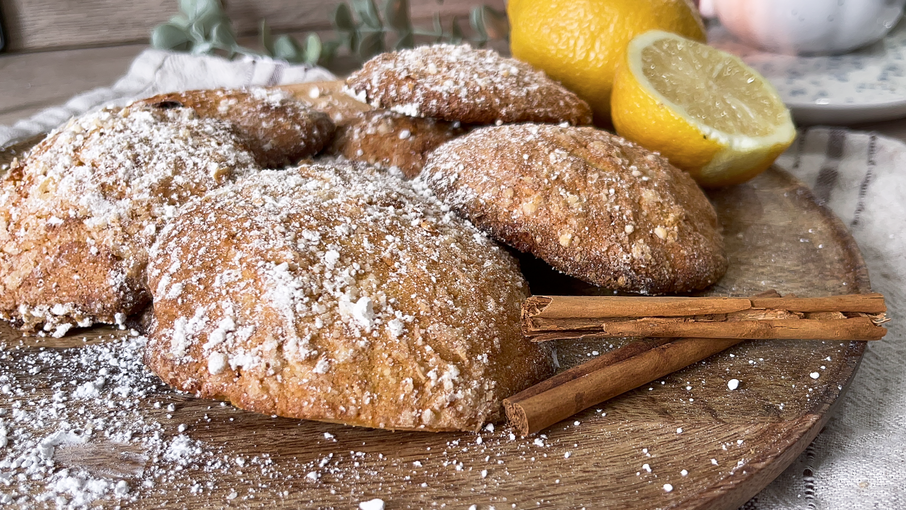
(376, 136)
(460, 83)
(388, 139)
(328, 97)
(589, 203)
(337, 293)
(278, 129)
(78, 213)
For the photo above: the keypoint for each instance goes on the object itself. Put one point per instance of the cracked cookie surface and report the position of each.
(589, 203)
(341, 294)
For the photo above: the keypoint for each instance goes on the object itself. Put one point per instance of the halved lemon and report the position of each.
(703, 109)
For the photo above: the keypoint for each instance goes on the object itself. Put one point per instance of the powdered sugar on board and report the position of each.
(89, 425)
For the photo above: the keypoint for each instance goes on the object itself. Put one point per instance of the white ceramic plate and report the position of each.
(863, 86)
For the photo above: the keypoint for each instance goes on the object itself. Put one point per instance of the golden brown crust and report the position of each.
(278, 129)
(589, 203)
(328, 97)
(339, 294)
(459, 83)
(371, 135)
(78, 213)
(388, 139)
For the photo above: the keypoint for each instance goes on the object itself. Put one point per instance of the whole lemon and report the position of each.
(580, 42)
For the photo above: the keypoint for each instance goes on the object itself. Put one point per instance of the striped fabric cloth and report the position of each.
(857, 462)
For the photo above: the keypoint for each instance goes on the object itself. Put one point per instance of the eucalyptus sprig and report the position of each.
(202, 27)
(371, 33)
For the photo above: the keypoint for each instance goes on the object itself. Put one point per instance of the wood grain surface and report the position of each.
(34, 81)
(685, 441)
(43, 24)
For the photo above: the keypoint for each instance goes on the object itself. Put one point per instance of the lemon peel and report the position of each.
(703, 109)
(580, 42)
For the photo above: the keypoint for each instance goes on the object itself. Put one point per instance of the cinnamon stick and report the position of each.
(767, 315)
(846, 317)
(605, 377)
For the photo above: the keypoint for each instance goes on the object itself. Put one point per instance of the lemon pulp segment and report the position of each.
(704, 109)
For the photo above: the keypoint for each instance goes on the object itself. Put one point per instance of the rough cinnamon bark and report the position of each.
(708, 325)
(605, 377)
(848, 317)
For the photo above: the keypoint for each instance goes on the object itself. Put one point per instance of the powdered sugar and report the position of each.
(566, 195)
(342, 268)
(372, 504)
(135, 441)
(460, 83)
(108, 180)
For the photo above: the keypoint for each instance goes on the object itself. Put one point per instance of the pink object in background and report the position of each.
(803, 27)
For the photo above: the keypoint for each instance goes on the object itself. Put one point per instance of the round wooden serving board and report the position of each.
(716, 448)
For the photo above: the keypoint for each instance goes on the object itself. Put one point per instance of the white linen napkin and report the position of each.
(156, 72)
(856, 462)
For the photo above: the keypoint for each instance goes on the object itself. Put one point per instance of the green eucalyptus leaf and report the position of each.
(438, 28)
(370, 45)
(495, 23)
(347, 39)
(222, 36)
(202, 48)
(329, 51)
(267, 40)
(406, 41)
(476, 20)
(456, 35)
(353, 41)
(170, 37)
(188, 7)
(207, 21)
(286, 48)
(180, 21)
(368, 12)
(313, 49)
(396, 12)
(342, 18)
(197, 31)
(204, 8)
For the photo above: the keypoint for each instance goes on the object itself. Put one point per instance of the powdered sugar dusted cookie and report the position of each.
(339, 294)
(372, 135)
(388, 139)
(589, 203)
(459, 83)
(328, 97)
(277, 128)
(78, 213)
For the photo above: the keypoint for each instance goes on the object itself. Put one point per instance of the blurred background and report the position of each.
(91, 43)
